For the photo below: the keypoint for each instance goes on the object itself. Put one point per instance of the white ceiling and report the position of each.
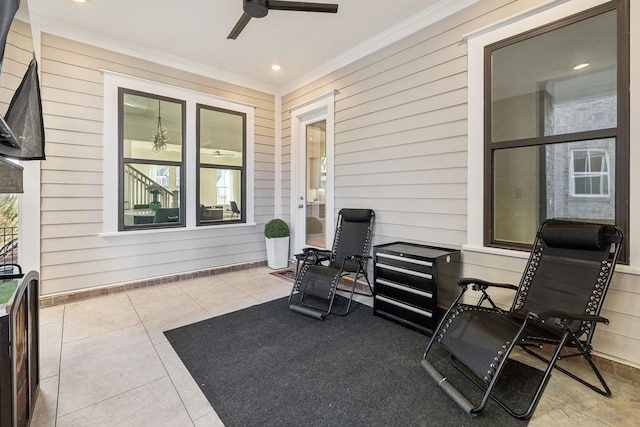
(192, 34)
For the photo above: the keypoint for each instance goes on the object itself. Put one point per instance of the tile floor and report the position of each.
(106, 362)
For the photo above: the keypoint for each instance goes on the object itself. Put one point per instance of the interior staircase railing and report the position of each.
(138, 194)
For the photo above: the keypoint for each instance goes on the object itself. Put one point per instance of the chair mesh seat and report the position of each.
(348, 257)
(479, 338)
(557, 304)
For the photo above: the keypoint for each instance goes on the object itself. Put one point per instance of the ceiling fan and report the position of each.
(260, 8)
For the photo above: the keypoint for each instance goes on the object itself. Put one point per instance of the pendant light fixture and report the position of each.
(160, 136)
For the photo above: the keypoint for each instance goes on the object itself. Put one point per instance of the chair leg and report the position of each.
(582, 351)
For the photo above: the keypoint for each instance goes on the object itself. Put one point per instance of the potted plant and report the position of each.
(276, 233)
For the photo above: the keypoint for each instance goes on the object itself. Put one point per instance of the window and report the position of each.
(590, 173)
(138, 175)
(556, 128)
(221, 178)
(152, 156)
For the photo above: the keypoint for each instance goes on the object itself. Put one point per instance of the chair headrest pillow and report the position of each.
(356, 215)
(574, 235)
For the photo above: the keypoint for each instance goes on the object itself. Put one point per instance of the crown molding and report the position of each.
(62, 29)
(427, 17)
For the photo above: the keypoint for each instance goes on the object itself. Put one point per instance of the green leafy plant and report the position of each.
(276, 228)
(8, 210)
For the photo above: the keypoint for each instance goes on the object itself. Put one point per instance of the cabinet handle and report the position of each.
(401, 258)
(405, 288)
(405, 306)
(405, 271)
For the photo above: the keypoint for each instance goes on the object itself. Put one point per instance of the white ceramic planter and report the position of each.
(277, 252)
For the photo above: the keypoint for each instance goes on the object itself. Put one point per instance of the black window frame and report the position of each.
(620, 132)
(199, 165)
(122, 161)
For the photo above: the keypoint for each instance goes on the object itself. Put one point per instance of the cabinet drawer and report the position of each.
(401, 292)
(412, 264)
(424, 319)
(416, 279)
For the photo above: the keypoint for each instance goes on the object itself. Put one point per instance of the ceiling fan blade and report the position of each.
(242, 22)
(302, 6)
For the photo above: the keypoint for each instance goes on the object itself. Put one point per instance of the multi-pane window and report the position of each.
(181, 158)
(590, 172)
(152, 157)
(556, 128)
(221, 150)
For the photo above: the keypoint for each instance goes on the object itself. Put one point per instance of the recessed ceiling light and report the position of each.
(81, 1)
(581, 66)
(275, 67)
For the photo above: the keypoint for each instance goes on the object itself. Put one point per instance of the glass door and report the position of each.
(312, 194)
(316, 183)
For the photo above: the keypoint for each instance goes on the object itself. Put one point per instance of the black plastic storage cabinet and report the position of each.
(412, 281)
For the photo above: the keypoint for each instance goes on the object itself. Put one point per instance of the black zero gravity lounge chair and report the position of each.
(315, 286)
(557, 303)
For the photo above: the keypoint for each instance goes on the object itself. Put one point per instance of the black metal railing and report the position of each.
(8, 245)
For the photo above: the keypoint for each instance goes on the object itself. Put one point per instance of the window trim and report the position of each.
(620, 133)
(113, 80)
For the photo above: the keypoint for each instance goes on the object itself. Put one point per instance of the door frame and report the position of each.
(321, 108)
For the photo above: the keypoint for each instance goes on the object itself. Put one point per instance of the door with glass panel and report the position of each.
(316, 184)
(312, 207)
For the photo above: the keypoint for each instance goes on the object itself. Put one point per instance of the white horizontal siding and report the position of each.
(401, 149)
(74, 255)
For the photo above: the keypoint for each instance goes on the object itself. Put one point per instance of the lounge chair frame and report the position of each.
(319, 271)
(529, 324)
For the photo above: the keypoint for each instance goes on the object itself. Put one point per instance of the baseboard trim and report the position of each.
(50, 301)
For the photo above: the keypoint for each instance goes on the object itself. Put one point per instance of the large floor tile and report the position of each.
(97, 316)
(44, 414)
(155, 404)
(159, 315)
(53, 314)
(50, 348)
(209, 420)
(111, 373)
(194, 400)
(155, 294)
(238, 302)
(104, 366)
(211, 290)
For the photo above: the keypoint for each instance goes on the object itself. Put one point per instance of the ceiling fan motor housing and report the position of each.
(256, 8)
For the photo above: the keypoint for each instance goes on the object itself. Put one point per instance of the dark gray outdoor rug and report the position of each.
(269, 366)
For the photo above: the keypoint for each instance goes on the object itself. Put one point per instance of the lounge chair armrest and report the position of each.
(357, 257)
(545, 315)
(324, 253)
(306, 251)
(479, 284)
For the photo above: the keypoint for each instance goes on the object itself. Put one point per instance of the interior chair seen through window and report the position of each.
(557, 305)
(167, 215)
(234, 209)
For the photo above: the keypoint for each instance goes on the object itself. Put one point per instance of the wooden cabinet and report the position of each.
(414, 283)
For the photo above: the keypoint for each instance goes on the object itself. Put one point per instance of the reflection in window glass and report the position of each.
(556, 140)
(221, 146)
(551, 181)
(590, 173)
(141, 117)
(572, 89)
(152, 153)
(220, 194)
